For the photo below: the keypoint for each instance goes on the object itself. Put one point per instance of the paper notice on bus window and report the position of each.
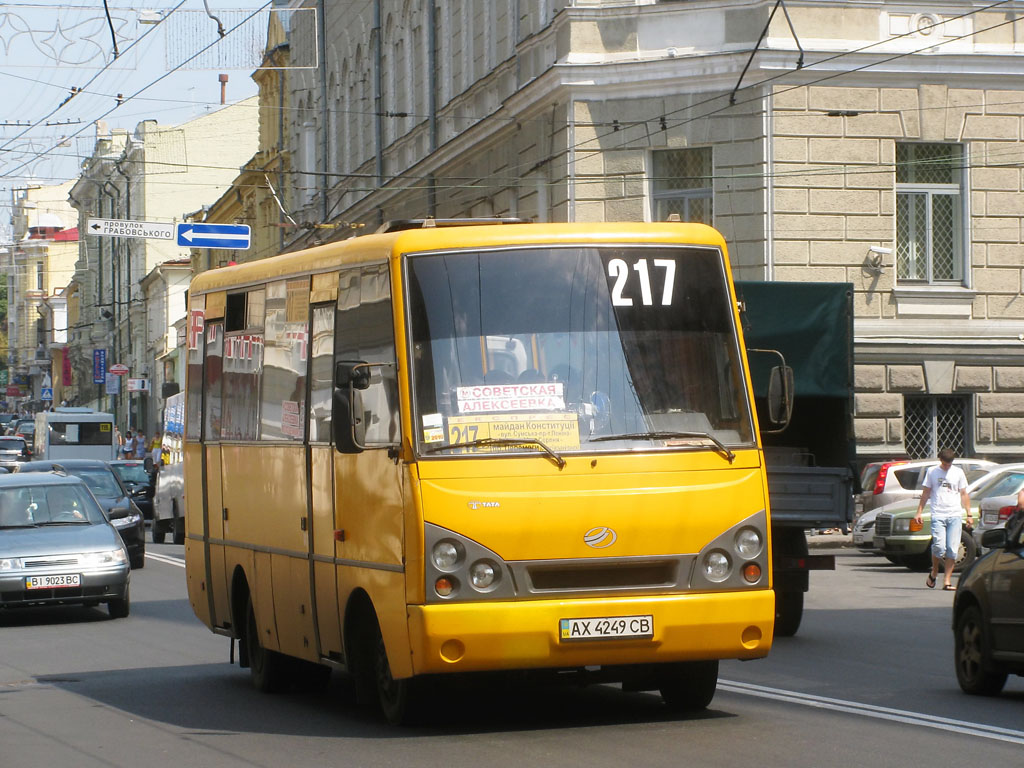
(433, 428)
(493, 398)
(558, 431)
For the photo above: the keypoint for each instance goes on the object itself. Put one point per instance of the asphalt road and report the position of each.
(868, 681)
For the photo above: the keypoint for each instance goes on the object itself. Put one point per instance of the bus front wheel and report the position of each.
(689, 686)
(268, 668)
(397, 700)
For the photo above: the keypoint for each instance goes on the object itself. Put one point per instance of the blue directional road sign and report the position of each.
(234, 236)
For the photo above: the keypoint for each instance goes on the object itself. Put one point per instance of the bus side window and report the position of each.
(364, 330)
(321, 373)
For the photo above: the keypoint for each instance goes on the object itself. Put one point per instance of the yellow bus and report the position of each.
(455, 448)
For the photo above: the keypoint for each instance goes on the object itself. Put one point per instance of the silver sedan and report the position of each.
(57, 546)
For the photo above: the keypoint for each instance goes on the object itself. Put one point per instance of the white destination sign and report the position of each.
(122, 228)
(486, 398)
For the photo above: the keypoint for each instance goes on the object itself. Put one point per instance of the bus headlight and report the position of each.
(483, 575)
(446, 555)
(717, 566)
(748, 543)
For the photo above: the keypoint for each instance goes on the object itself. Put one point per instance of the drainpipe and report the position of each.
(128, 279)
(378, 93)
(280, 151)
(432, 99)
(115, 289)
(325, 122)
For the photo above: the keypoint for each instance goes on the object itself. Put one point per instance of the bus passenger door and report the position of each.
(213, 492)
(326, 542)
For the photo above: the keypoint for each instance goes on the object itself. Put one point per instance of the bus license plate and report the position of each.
(56, 581)
(608, 627)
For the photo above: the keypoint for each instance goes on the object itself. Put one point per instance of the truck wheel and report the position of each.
(158, 531)
(179, 530)
(689, 686)
(789, 611)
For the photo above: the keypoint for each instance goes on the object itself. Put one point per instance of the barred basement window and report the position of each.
(681, 182)
(933, 423)
(929, 213)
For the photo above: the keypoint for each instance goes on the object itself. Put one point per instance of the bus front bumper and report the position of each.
(479, 636)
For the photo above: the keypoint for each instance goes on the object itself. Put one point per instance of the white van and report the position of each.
(74, 433)
(169, 497)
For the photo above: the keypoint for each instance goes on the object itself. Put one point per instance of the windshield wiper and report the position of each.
(669, 436)
(484, 441)
(62, 522)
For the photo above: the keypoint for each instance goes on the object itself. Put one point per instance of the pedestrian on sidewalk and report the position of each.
(945, 488)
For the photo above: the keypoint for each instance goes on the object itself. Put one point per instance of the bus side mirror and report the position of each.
(780, 396)
(347, 427)
(344, 424)
(352, 373)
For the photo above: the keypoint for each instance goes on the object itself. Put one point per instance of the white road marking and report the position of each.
(165, 559)
(881, 713)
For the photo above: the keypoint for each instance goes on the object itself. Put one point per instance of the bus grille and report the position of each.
(580, 576)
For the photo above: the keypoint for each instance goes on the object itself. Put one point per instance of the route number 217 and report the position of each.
(619, 270)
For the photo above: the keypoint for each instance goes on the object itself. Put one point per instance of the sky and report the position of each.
(58, 76)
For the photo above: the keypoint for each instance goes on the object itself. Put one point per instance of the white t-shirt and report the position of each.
(945, 490)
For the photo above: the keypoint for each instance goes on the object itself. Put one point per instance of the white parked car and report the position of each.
(883, 482)
(1000, 506)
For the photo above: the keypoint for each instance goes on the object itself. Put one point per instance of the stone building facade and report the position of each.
(875, 143)
(157, 173)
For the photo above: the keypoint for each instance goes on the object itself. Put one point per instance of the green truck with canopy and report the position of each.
(811, 460)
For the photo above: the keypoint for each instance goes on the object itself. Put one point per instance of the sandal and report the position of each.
(930, 582)
(949, 587)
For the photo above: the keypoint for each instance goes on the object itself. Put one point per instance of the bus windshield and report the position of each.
(575, 348)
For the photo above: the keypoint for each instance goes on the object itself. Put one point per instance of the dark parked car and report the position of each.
(139, 481)
(57, 546)
(13, 450)
(988, 613)
(110, 493)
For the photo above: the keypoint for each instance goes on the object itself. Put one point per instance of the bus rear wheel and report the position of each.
(268, 668)
(689, 686)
